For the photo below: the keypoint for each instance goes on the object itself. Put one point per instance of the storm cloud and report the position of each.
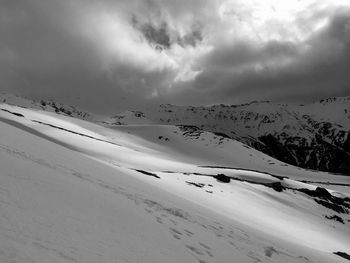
(106, 55)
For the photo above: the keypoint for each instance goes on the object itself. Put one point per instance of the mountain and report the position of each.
(313, 136)
(73, 190)
(46, 105)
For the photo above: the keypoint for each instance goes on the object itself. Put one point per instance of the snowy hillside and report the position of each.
(76, 191)
(47, 105)
(314, 136)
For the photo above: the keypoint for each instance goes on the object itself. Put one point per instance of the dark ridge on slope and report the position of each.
(342, 254)
(243, 169)
(77, 133)
(324, 198)
(13, 113)
(316, 155)
(147, 173)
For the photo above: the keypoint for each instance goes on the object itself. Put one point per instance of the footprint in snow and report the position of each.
(175, 233)
(197, 251)
(269, 251)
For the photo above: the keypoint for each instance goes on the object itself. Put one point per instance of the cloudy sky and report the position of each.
(106, 55)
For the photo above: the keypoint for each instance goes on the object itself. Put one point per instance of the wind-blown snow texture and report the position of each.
(75, 191)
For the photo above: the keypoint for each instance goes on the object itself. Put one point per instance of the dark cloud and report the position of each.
(156, 36)
(193, 37)
(320, 71)
(43, 54)
(244, 71)
(162, 37)
(104, 55)
(238, 54)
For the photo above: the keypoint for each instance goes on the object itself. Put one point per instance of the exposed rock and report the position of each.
(335, 218)
(200, 185)
(277, 186)
(147, 173)
(222, 178)
(324, 198)
(342, 254)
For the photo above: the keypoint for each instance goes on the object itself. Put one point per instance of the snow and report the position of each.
(70, 192)
(314, 135)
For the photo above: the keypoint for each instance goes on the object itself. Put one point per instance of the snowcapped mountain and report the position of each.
(46, 105)
(73, 190)
(313, 136)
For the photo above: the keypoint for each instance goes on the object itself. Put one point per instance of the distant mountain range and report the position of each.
(313, 136)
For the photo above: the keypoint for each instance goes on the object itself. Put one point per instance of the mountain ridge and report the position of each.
(313, 136)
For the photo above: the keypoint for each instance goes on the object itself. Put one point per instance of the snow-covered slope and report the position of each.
(314, 136)
(75, 191)
(47, 105)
